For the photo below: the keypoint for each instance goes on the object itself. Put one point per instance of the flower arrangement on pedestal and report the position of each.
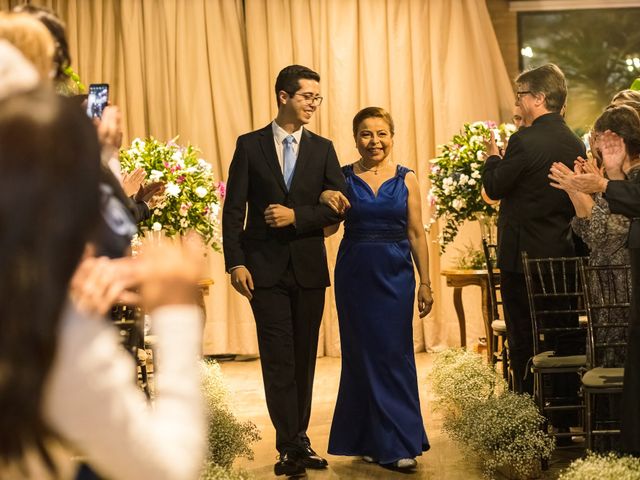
(191, 197)
(456, 177)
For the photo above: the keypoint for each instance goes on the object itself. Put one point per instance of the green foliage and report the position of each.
(228, 437)
(470, 258)
(74, 78)
(456, 177)
(603, 467)
(501, 428)
(191, 198)
(591, 47)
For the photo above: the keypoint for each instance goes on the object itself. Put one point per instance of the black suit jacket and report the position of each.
(255, 182)
(534, 217)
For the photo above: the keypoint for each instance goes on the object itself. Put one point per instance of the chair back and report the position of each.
(608, 302)
(490, 257)
(556, 301)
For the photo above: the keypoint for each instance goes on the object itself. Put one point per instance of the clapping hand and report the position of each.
(132, 181)
(491, 146)
(613, 151)
(163, 273)
(335, 200)
(588, 165)
(146, 192)
(561, 177)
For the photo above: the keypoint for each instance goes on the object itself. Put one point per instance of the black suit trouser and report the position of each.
(288, 321)
(517, 316)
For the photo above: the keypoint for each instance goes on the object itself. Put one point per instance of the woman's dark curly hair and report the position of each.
(623, 120)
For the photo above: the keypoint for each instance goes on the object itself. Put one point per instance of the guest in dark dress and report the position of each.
(623, 197)
(606, 235)
(377, 414)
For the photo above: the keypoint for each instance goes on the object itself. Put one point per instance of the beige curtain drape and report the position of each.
(205, 69)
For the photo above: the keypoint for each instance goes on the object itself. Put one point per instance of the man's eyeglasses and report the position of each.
(310, 99)
(523, 93)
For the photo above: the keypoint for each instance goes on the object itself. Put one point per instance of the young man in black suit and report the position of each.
(278, 259)
(534, 217)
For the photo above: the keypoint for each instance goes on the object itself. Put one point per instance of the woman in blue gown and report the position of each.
(377, 414)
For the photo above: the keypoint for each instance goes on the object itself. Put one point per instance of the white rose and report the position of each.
(458, 204)
(184, 222)
(463, 179)
(138, 144)
(476, 174)
(156, 227)
(155, 175)
(479, 155)
(472, 182)
(204, 164)
(215, 210)
(201, 192)
(172, 189)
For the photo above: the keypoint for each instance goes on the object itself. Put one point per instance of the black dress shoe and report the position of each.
(288, 466)
(310, 459)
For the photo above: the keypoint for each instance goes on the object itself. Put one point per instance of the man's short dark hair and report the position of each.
(549, 80)
(289, 78)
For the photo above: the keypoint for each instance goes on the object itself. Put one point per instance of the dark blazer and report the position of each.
(255, 182)
(534, 217)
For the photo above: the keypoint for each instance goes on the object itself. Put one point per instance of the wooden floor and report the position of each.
(444, 461)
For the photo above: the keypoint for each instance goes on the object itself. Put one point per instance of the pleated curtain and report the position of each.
(205, 70)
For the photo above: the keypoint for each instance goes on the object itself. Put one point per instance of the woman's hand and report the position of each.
(335, 200)
(165, 272)
(613, 152)
(588, 165)
(99, 282)
(425, 300)
(561, 177)
(170, 270)
(132, 181)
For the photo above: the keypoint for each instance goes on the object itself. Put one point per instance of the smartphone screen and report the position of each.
(97, 99)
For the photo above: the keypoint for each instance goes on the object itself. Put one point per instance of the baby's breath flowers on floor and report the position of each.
(603, 467)
(502, 429)
(228, 438)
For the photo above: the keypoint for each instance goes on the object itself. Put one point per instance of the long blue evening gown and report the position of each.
(377, 413)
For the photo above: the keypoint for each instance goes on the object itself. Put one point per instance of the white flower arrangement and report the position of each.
(501, 428)
(603, 467)
(191, 198)
(456, 175)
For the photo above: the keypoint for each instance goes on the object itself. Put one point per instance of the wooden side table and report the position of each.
(462, 278)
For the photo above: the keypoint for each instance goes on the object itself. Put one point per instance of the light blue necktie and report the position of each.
(289, 159)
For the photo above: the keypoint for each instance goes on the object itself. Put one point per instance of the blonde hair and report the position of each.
(32, 38)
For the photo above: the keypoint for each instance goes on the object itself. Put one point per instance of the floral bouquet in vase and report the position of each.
(456, 174)
(191, 197)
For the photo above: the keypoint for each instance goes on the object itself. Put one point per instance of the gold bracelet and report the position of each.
(426, 285)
